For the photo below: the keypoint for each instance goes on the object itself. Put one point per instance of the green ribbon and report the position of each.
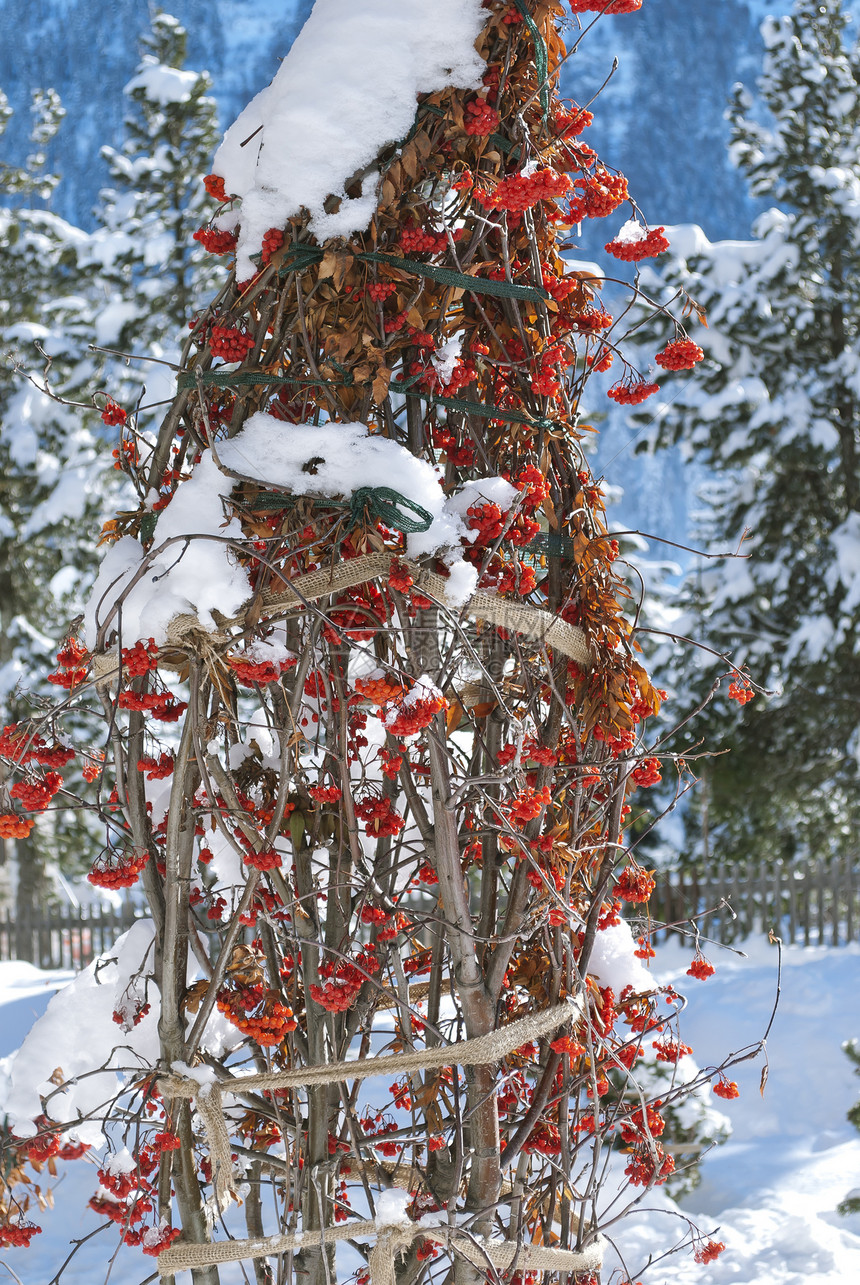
(305, 255)
(148, 524)
(300, 257)
(382, 504)
(509, 416)
(379, 503)
(450, 277)
(541, 62)
(240, 378)
(551, 545)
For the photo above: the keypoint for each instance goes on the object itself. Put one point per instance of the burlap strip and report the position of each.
(390, 1240)
(475, 1052)
(520, 617)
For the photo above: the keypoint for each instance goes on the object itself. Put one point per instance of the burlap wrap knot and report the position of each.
(519, 617)
(185, 632)
(481, 1050)
(391, 1239)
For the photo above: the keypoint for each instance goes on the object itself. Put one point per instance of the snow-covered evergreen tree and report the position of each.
(154, 274)
(126, 286)
(53, 479)
(773, 413)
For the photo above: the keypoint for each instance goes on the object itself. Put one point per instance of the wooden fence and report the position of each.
(814, 904)
(62, 937)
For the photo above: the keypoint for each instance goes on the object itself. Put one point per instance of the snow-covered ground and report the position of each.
(770, 1193)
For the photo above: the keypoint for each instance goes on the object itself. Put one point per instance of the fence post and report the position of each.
(849, 898)
(819, 908)
(776, 887)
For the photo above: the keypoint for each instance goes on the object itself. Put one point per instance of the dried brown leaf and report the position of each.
(381, 380)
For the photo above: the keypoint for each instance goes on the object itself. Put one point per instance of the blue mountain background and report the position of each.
(660, 120)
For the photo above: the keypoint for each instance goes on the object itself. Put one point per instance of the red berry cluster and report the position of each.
(45, 1145)
(161, 705)
(460, 456)
(701, 968)
(645, 1167)
(558, 287)
(22, 746)
(140, 658)
(72, 669)
(126, 455)
(153, 1241)
(414, 713)
(670, 1050)
(462, 375)
(215, 241)
(636, 1128)
(250, 672)
(18, 1234)
(546, 1139)
(598, 6)
(635, 884)
(156, 769)
(132, 1015)
(35, 794)
(602, 360)
(214, 185)
(378, 689)
(727, 1089)
(272, 242)
(647, 773)
(597, 195)
(73, 1150)
(481, 118)
(518, 579)
(114, 414)
(648, 247)
(340, 993)
(326, 793)
(391, 763)
(400, 579)
(535, 485)
(527, 805)
(397, 322)
(265, 859)
(230, 343)
(520, 192)
(708, 1252)
(633, 393)
(488, 521)
(14, 827)
(122, 1184)
(681, 355)
(570, 124)
(590, 321)
(257, 1013)
(545, 379)
(123, 875)
(379, 817)
(567, 1044)
(379, 291)
(414, 240)
(741, 692)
